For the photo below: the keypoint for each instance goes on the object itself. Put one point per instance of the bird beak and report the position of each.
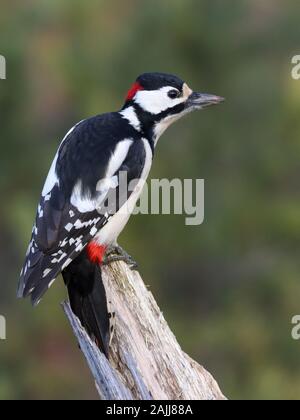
(202, 100)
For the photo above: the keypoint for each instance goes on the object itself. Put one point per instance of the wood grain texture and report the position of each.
(146, 361)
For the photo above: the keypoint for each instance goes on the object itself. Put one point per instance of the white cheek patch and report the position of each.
(157, 101)
(162, 125)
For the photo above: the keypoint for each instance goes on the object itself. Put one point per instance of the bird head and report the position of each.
(161, 99)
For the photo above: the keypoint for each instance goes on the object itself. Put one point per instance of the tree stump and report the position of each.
(146, 361)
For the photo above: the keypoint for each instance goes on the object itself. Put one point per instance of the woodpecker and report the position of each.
(72, 236)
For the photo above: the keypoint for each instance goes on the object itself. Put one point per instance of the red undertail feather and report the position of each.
(134, 89)
(95, 252)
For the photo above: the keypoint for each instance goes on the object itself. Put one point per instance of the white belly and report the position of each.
(109, 234)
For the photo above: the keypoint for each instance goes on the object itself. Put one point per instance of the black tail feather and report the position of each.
(88, 299)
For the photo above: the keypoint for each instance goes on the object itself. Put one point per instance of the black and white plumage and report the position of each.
(68, 216)
(84, 172)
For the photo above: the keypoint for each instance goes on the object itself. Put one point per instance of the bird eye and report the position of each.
(173, 94)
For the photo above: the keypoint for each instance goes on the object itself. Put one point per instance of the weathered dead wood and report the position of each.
(146, 361)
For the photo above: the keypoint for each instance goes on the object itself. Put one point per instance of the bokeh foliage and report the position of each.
(228, 288)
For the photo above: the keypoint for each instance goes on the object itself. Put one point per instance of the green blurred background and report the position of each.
(228, 288)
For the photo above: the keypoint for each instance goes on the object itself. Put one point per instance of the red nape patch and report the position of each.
(95, 252)
(132, 92)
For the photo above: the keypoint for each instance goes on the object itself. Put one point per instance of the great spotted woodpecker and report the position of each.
(72, 234)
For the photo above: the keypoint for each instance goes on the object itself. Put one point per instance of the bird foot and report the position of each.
(116, 253)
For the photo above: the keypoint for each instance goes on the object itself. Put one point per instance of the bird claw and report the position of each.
(117, 253)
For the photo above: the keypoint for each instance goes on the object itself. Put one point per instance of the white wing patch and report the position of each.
(118, 157)
(82, 203)
(86, 204)
(69, 227)
(110, 232)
